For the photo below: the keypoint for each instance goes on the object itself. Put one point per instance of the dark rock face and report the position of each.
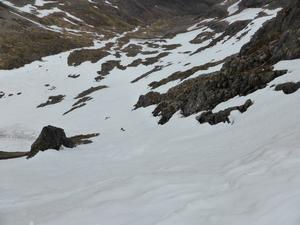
(288, 88)
(223, 115)
(50, 138)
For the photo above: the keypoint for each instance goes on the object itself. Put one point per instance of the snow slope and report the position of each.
(181, 173)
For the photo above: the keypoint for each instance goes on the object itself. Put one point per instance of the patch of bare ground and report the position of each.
(52, 100)
(107, 67)
(78, 57)
(83, 97)
(132, 50)
(155, 69)
(171, 47)
(148, 61)
(90, 91)
(22, 47)
(149, 52)
(230, 31)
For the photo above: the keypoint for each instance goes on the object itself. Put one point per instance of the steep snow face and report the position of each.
(181, 173)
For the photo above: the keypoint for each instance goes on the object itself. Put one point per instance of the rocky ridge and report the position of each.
(241, 75)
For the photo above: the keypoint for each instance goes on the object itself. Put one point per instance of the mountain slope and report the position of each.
(69, 24)
(139, 172)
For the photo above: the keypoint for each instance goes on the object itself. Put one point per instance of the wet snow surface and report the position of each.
(182, 173)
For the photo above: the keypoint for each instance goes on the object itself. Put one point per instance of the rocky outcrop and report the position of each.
(54, 138)
(79, 56)
(230, 31)
(182, 75)
(288, 88)
(223, 115)
(149, 99)
(107, 67)
(206, 92)
(50, 138)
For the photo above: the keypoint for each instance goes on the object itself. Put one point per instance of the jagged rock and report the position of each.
(223, 115)
(50, 138)
(288, 88)
(206, 92)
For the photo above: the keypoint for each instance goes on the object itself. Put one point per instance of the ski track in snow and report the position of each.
(181, 173)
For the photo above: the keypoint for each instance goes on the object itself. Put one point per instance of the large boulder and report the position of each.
(50, 138)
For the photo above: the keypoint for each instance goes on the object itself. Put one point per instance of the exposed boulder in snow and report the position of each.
(288, 88)
(54, 138)
(223, 115)
(50, 138)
